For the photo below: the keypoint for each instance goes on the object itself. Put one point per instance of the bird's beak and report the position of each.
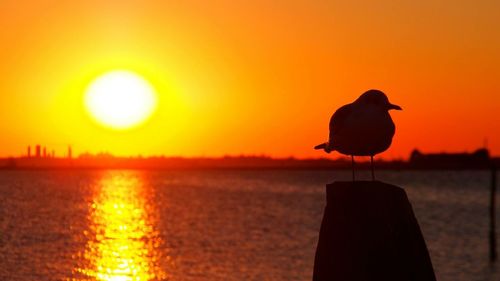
(393, 106)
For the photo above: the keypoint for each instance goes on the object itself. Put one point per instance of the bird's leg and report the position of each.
(352, 161)
(373, 170)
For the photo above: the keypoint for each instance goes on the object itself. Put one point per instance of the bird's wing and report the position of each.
(337, 122)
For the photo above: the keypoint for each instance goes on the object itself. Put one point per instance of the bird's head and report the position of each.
(378, 98)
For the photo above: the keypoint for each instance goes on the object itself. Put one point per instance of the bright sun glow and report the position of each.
(120, 100)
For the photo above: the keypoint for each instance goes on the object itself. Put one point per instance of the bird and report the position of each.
(362, 128)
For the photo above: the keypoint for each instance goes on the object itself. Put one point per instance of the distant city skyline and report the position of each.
(479, 159)
(40, 151)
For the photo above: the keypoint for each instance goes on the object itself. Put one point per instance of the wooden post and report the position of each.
(493, 242)
(352, 244)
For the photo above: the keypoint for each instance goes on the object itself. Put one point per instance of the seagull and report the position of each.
(362, 128)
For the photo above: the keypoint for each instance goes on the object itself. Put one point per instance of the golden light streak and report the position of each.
(123, 244)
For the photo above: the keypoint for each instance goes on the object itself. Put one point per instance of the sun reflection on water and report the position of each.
(123, 244)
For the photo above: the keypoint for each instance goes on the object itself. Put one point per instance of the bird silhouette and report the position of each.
(362, 128)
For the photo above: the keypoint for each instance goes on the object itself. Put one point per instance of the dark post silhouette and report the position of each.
(493, 242)
(369, 232)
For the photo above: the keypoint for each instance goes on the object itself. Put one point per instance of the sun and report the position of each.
(120, 100)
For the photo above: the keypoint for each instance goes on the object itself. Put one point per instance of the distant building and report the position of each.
(38, 151)
(44, 152)
(29, 151)
(477, 159)
(69, 152)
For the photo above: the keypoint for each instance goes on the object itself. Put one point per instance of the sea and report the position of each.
(128, 225)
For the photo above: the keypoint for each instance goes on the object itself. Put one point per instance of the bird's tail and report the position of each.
(325, 146)
(321, 146)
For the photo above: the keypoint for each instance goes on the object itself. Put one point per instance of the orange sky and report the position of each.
(250, 77)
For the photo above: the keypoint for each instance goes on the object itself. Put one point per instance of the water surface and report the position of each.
(214, 225)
